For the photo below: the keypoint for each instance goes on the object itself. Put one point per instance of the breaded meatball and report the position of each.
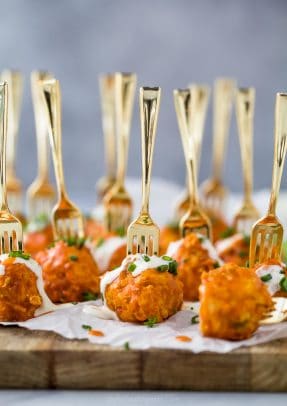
(168, 234)
(194, 255)
(36, 241)
(153, 294)
(94, 229)
(233, 300)
(69, 271)
(234, 249)
(19, 295)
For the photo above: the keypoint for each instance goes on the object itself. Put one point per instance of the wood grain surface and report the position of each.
(36, 359)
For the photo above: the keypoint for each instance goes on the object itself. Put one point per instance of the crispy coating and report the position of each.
(168, 234)
(152, 294)
(218, 223)
(193, 259)
(68, 272)
(236, 250)
(19, 295)
(233, 300)
(38, 240)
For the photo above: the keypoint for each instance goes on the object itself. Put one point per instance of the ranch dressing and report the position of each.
(273, 284)
(104, 252)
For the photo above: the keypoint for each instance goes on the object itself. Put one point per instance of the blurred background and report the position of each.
(167, 43)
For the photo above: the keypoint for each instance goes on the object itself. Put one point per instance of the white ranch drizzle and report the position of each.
(104, 312)
(205, 243)
(273, 284)
(224, 244)
(46, 305)
(104, 252)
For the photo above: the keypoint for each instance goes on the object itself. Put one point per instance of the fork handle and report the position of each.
(182, 102)
(280, 144)
(3, 140)
(149, 99)
(223, 97)
(52, 102)
(107, 92)
(41, 129)
(125, 85)
(14, 80)
(199, 104)
(245, 101)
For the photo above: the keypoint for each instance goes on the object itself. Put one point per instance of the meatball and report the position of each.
(69, 271)
(219, 225)
(233, 300)
(144, 289)
(19, 294)
(194, 255)
(36, 241)
(234, 249)
(94, 229)
(109, 253)
(274, 275)
(168, 234)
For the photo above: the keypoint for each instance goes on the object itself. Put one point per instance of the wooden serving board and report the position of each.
(36, 359)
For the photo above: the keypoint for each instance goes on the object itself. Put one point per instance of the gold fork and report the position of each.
(213, 190)
(247, 214)
(11, 234)
(267, 233)
(199, 102)
(107, 90)
(117, 202)
(195, 220)
(143, 233)
(14, 80)
(67, 220)
(41, 193)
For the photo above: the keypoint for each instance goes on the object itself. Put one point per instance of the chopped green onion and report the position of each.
(89, 296)
(151, 321)
(146, 258)
(167, 258)
(74, 258)
(216, 265)
(283, 284)
(163, 268)
(121, 232)
(132, 267)
(86, 327)
(127, 346)
(194, 319)
(266, 278)
(19, 254)
(228, 232)
(100, 242)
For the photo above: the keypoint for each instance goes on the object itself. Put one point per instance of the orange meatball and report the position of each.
(168, 234)
(193, 259)
(151, 295)
(233, 300)
(38, 240)
(19, 295)
(94, 229)
(219, 225)
(69, 271)
(234, 249)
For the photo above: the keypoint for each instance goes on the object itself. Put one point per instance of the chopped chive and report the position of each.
(132, 267)
(100, 242)
(194, 319)
(74, 258)
(86, 327)
(283, 284)
(242, 254)
(216, 265)
(121, 232)
(167, 258)
(246, 239)
(146, 258)
(282, 271)
(151, 321)
(228, 232)
(172, 267)
(163, 268)
(19, 254)
(127, 346)
(266, 278)
(89, 296)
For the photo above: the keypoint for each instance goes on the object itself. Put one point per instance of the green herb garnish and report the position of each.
(163, 268)
(132, 267)
(242, 254)
(151, 321)
(266, 278)
(173, 225)
(146, 258)
(100, 242)
(194, 319)
(86, 327)
(216, 265)
(74, 303)
(75, 241)
(121, 232)
(127, 346)
(74, 258)
(19, 254)
(246, 239)
(89, 296)
(247, 264)
(167, 258)
(283, 284)
(228, 232)
(282, 271)
(172, 267)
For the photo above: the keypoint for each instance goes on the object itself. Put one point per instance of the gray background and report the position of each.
(168, 43)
